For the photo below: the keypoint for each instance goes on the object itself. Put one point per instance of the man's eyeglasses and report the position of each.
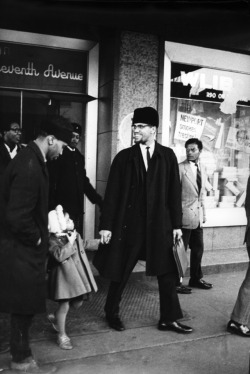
(139, 127)
(17, 131)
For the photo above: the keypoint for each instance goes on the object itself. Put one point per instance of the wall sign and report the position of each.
(205, 84)
(42, 68)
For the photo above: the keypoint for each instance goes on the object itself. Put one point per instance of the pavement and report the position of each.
(142, 348)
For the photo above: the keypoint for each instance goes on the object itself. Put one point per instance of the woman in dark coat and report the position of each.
(142, 215)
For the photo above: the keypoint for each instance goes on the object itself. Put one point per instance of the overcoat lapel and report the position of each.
(203, 176)
(135, 158)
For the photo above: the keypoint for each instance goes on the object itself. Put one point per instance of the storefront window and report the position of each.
(213, 105)
(30, 108)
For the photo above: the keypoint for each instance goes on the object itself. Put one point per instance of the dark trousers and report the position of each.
(194, 239)
(170, 309)
(19, 336)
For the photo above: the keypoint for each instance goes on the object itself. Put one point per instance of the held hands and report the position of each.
(177, 234)
(105, 236)
(72, 237)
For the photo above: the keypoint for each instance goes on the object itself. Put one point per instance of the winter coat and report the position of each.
(69, 183)
(4, 162)
(22, 260)
(70, 274)
(163, 211)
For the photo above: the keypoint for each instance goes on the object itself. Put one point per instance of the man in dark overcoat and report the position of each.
(141, 218)
(10, 137)
(24, 242)
(69, 182)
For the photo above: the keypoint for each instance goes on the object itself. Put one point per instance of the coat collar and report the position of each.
(136, 148)
(37, 151)
(135, 154)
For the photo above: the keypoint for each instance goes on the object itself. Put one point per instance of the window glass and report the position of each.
(29, 108)
(214, 106)
(10, 103)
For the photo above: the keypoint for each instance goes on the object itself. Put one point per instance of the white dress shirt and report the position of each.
(144, 152)
(194, 168)
(13, 152)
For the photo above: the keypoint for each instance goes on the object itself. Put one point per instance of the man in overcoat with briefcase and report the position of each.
(141, 218)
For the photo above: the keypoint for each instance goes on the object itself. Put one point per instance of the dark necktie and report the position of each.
(198, 177)
(148, 155)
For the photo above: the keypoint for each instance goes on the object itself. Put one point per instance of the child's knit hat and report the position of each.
(57, 221)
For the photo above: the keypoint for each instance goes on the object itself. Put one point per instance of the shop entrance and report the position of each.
(30, 108)
(42, 75)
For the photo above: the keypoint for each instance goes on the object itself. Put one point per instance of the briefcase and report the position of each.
(181, 257)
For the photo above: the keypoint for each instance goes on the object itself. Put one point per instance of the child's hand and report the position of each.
(72, 237)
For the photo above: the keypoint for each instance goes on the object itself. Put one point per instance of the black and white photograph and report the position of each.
(124, 186)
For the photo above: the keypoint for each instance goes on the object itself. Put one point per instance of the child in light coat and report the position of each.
(69, 273)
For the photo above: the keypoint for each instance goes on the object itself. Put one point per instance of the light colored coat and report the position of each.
(71, 275)
(193, 210)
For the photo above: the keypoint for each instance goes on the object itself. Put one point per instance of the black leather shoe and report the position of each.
(200, 283)
(238, 329)
(174, 326)
(183, 289)
(115, 323)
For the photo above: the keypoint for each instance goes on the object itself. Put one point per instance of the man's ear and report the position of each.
(154, 129)
(51, 139)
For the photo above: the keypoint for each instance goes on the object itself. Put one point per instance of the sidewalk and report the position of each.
(141, 348)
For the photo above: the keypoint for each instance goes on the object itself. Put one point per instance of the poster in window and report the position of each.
(188, 126)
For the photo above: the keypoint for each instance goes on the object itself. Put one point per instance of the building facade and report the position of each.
(98, 79)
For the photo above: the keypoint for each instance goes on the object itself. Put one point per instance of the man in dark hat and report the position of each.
(24, 239)
(69, 182)
(140, 220)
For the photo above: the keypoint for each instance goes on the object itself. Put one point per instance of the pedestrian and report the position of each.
(140, 220)
(24, 240)
(69, 182)
(9, 147)
(240, 318)
(69, 273)
(193, 180)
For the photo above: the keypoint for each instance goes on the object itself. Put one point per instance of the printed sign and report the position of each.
(188, 126)
(238, 139)
(42, 68)
(210, 134)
